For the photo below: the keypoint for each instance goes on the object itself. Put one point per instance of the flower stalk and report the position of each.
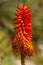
(22, 59)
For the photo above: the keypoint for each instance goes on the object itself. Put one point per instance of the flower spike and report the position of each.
(23, 28)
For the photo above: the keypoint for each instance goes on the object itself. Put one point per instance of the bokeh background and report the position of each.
(7, 13)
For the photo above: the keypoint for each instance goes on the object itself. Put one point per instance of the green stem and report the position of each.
(22, 59)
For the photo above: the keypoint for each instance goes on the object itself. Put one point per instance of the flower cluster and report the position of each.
(23, 28)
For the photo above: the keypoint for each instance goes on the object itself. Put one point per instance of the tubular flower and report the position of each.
(23, 31)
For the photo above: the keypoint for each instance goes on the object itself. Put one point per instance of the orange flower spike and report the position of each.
(22, 40)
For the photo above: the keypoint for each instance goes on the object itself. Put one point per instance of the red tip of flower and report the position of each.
(23, 36)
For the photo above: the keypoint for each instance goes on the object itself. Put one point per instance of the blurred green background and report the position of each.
(7, 13)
